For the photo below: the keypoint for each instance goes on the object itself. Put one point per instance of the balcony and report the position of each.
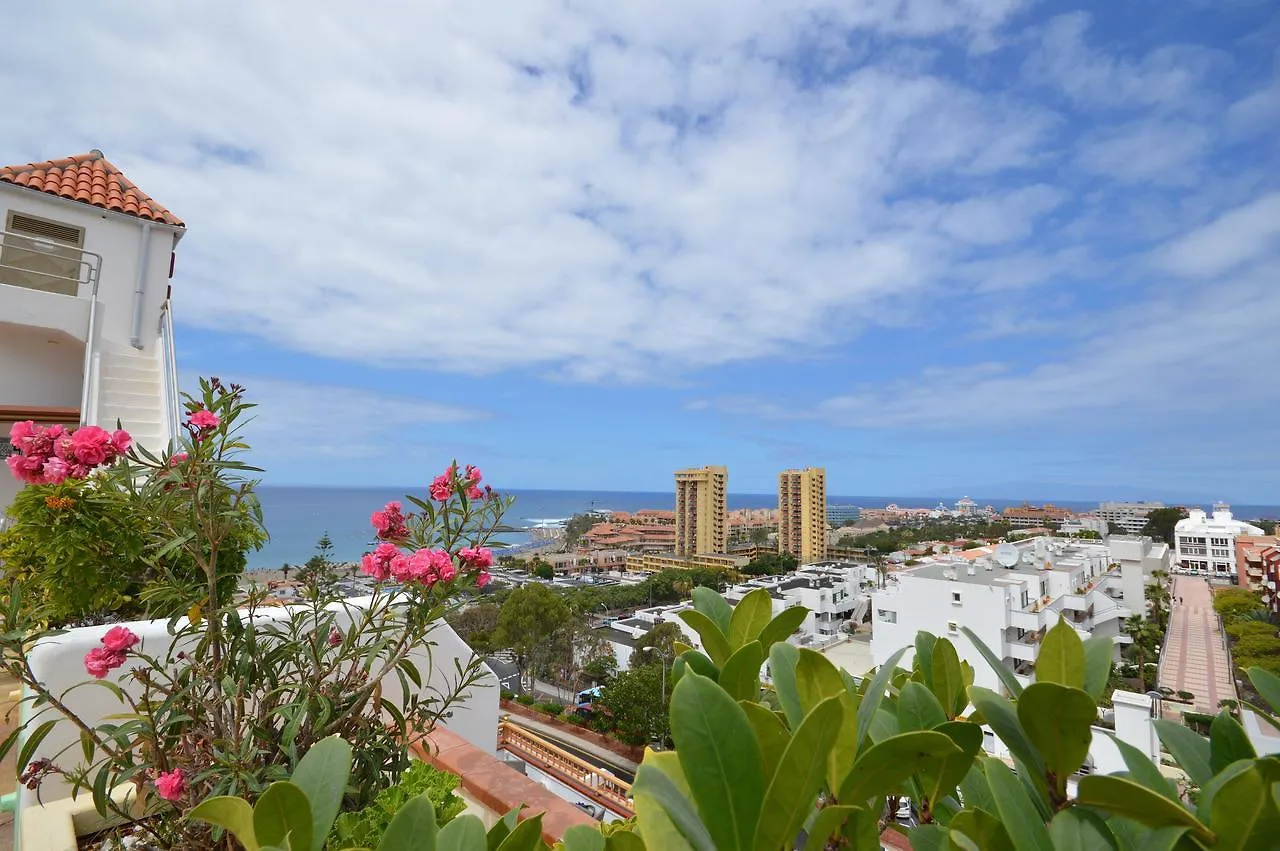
(47, 285)
(1075, 602)
(1023, 651)
(1029, 621)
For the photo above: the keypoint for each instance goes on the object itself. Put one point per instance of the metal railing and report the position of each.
(169, 364)
(592, 781)
(41, 264)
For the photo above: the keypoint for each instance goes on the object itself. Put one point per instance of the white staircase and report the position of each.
(131, 389)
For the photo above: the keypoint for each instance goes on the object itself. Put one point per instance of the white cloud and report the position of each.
(1234, 238)
(1164, 152)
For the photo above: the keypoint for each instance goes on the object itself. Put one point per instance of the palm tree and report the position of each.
(1158, 599)
(1146, 639)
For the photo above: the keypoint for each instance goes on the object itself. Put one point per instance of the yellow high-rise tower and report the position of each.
(802, 513)
(702, 512)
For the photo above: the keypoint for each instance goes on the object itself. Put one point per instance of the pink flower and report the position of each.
(474, 492)
(400, 569)
(177, 458)
(389, 522)
(378, 563)
(79, 471)
(21, 431)
(171, 785)
(121, 440)
(99, 661)
(380, 521)
(65, 448)
(473, 474)
(441, 487)
(448, 572)
(56, 471)
(119, 639)
(482, 579)
(335, 636)
(476, 556)
(203, 419)
(21, 467)
(92, 445)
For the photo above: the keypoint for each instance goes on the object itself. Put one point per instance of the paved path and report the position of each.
(1195, 655)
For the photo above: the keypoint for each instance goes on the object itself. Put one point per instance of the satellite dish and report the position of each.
(1007, 555)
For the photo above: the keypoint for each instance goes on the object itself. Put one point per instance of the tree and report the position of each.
(1146, 642)
(1233, 603)
(1116, 529)
(541, 569)
(760, 536)
(578, 525)
(634, 704)
(318, 570)
(662, 638)
(1158, 599)
(477, 624)
(771, 564)
(599, 664)
(1161, 522)
(529, 618)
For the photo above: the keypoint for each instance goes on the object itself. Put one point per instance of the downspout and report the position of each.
(140, 286)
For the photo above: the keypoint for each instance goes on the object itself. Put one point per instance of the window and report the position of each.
(886, 616)
(41, 254)
(953, 627)
(955, 598)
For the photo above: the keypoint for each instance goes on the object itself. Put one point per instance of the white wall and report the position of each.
(38, 368)
(59, 662)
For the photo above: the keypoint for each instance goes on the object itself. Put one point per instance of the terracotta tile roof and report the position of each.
(92, 179)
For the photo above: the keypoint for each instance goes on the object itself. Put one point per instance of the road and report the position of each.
(623, 769)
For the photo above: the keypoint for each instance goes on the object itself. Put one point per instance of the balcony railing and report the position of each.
(40, 264)
(590, 780)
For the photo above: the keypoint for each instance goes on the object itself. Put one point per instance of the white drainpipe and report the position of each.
(140, 286)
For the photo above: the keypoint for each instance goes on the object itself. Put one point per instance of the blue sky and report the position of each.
(937, 246)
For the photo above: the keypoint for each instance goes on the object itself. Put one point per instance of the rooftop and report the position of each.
(90, 179)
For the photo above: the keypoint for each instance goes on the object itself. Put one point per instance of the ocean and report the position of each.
(296, 517)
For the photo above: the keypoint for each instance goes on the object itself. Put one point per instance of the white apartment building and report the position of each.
(1206, 545)
(1130, 516)
(1009, 606)
(1083, 523)
(86, 329)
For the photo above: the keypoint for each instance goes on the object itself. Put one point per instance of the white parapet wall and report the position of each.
(59, 663)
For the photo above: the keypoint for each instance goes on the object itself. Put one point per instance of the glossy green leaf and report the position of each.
(697, 661)
(713, 640)
(1164, 839)
(995, 663)
(923, 661)
(982, 829)
(817, 680)
(976, 790)
(583, 838)
(948, 679)
(1244, 814)
(322, 775)
(1143, 771)
(1077, 829)
(462, 833)
(782, 626)
(999, 714)
(666, 817)
(412, 827)
(750, 617)
(883, 767)
(883, 725)
(1267, 685)
(1057, 720)
(1204, 803)
(918, 709)
(231, 814)
(874, 694)
(827, 824)
(1098, 654)
(783, 661)
(1015, 807)
(1061, 657)
(927, 837)
(720, 758)
(282, 815)
(502, 828)
(939, 777)
(710, 603)
(32, 742)
(1228, 742)
(740, 675)
(799, 777)
(524, 836)
(624, 841)
(771, 734)
(1124, 797)
(1189, 749)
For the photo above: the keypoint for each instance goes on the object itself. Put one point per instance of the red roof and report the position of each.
(91, 179)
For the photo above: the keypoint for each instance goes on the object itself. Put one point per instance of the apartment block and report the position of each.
(1252, 557)
(1033, 515)
(702, 511)
(802, 513)
(1129, 516)
(1206, 545)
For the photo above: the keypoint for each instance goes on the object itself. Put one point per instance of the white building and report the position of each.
(1008, 607)
(1084, 523)
(1129, 516)
(85, 323)
(1137, 558)
(1206, 545)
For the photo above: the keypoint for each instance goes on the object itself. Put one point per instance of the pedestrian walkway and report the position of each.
(1195, 654)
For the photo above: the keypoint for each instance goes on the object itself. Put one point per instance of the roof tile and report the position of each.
(91, 179)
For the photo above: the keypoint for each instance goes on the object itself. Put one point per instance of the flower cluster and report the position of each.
(201, 422)
(425, 566)
(390, 523)
(171, 785)
(51, 455)
(102, 660)
(447, 484)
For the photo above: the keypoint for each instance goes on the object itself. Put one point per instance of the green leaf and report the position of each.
(997, 665)
(771, 734)
(655, 794)
(282, 816)
(983, 830)
(976, 790)
(874, 695)
(782, 626)
(1057, 720)
(1143, 770)
(1000, 715)
(883, 767)
(720, 759)
(710, 603)
(322, 775)
(816, 680)
(1098, 653)
(827, 824)
(1080, 830)
(939, 777)
(414, 826)
(750, 616)
(713, 640)
(923, 661)
(1204, 804)
(1015, 807)
(582, 838)
(1123, 797)
(948, 679)
(918, 709)
(1061, 657)
(1228, 742)
(1164, 839)
(799, 777)
(1244, 813)
(783, 661)
(1267, 685)
(231, 814)
(740, 676)
(926, 837)
(697, 661)
(524, 836)
(1189, 749)
(33, 741)
(462, 833)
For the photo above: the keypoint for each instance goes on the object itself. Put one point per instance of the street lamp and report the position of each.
(663, 664)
